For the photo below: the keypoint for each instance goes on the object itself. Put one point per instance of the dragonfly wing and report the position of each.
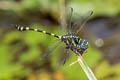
(51, 48)
(80, 22)
(63, 55)
(66, 18)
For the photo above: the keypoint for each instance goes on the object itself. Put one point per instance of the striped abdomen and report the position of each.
(23, 28)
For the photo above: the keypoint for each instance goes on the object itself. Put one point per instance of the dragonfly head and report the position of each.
(84, 44)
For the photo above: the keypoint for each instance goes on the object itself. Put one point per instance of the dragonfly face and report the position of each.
(84, 44)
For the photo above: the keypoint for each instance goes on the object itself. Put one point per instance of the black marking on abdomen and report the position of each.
(20, 28)
(56, 36)
(48, 33)
(23, 28)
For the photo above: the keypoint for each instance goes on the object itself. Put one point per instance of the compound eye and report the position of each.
(85, 41)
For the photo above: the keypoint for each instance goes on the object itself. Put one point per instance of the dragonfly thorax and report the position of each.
(75, 43)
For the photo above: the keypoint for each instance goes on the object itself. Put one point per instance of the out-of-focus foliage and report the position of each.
(20, 52)
(105, 7)
(104, 71)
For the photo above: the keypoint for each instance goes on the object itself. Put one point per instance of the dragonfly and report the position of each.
(71, 40)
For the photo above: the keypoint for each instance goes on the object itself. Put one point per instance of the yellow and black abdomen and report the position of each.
(25, 28)
(21, 28)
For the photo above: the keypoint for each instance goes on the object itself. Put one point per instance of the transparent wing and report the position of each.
(63, 55)
(68, 17)
(65, 20)
(51, 48)
(80, 22)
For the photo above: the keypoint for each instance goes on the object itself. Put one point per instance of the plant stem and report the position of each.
(86, 68)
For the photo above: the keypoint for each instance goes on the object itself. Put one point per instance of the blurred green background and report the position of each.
(20, 52)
